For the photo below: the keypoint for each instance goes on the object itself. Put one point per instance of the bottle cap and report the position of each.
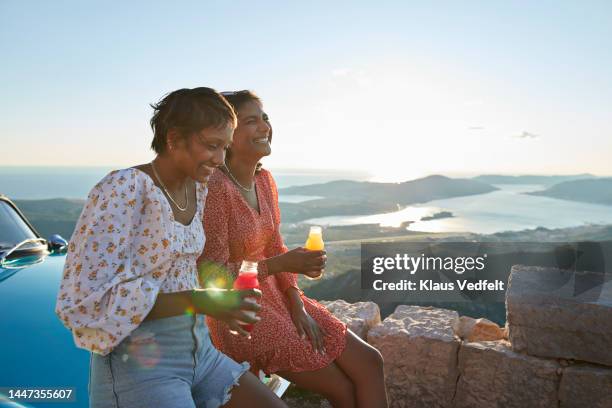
(248, 266)
(315, 229)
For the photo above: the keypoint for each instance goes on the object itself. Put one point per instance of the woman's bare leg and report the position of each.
(252, 393)
(329, 382)
(363, 364)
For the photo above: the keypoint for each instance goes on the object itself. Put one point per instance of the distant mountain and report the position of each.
(346, 197)
(54, 216)
(542, 180)
(296, 212)
(597, 191)
(409, 192)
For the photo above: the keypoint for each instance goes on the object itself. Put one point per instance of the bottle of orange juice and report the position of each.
(247, 279)
(315, 243)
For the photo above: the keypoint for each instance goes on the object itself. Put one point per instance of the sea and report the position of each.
(506, 209)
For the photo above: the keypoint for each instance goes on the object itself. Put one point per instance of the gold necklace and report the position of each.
(168, 193)
(248, 190)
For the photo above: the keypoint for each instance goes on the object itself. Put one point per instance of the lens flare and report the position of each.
(145, 351)
(190, 311)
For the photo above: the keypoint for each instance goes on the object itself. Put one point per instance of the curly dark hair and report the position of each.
(189, 111)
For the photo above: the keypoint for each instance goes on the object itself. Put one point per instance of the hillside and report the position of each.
(342, 279)
(409, 192)
(596, 191)
(53, 216)
(529, 179)
(345, 197)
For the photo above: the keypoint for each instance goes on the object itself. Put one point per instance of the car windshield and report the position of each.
(13, 228)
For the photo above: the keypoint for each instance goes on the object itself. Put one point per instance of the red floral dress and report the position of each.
(235, 231)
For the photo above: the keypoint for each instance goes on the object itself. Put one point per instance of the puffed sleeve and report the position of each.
(219, 238)
(115, 262)
(276, 246)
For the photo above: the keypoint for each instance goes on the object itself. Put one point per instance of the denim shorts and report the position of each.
(167, 363)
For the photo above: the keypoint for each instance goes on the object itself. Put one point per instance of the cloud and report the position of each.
(476, 128)
(526, 135)
(340, 72)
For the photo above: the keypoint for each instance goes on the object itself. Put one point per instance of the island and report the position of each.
(438, 215)
(595, 191)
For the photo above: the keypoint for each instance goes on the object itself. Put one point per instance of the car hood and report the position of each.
(36, 350)
(45, 267)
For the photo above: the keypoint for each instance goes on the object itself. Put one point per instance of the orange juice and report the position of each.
(315, 243)
(315, 240)
(247, 279)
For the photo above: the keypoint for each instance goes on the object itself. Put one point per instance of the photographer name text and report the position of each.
(431, 286)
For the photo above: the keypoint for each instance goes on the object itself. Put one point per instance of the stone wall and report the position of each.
(555, 351)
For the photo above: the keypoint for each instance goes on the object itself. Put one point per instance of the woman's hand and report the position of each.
(228, 305)
(307, 327)
(298, 260)
(304, 323)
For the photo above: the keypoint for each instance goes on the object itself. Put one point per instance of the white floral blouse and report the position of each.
(126, 248)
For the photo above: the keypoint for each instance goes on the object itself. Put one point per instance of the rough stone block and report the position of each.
(420, 353)
(470, 329)
(360, 317)
(491, 375)
(585, 386)
(560, 314)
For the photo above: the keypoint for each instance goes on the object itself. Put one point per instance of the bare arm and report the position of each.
(222, 304)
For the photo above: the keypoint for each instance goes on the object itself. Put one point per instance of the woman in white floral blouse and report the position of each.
(130, 291)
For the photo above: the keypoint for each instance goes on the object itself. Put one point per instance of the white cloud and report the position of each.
(340, 72)
(526, 135)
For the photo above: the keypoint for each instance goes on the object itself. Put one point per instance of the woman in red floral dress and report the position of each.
(296, 337)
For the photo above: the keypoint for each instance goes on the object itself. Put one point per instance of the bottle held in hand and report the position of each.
(247, 279)
(315, 243)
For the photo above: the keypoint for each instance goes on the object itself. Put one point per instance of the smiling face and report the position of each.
(198, 154)
(252, 136)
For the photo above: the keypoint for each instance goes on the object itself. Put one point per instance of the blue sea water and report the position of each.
(507, 209)
(36, 183)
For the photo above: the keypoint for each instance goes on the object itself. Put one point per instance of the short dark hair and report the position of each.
(189, 111)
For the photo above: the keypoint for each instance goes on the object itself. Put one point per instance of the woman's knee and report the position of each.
(360, 360)
(370, 359)
(374, 358)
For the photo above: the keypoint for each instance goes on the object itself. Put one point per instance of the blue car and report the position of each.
(38, 358)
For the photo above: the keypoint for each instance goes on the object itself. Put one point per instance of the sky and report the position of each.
(398, 89)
